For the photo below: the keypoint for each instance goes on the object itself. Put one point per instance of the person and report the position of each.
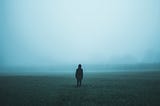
(79, 75)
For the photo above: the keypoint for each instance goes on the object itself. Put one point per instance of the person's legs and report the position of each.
(80, 82)
(77, 83)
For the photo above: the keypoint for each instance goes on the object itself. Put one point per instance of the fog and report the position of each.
(68, 32)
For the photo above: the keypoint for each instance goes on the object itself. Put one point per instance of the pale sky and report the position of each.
(49, 32)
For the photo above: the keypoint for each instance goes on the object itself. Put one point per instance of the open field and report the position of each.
(98, 89)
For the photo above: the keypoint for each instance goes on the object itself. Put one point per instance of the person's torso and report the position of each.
(79, 72)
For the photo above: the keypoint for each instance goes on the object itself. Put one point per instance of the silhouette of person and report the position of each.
(79, 75)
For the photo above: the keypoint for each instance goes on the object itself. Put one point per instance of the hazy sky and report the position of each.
(49, 32)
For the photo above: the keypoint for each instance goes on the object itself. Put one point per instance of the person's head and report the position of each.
(79, 66)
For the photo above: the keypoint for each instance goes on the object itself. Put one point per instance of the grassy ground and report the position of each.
(98, 89)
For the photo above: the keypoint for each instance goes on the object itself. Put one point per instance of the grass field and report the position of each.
(98, 89)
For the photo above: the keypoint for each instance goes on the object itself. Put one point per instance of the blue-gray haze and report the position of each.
(56, 32)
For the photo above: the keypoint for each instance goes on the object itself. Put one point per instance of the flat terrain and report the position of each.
(98, 89)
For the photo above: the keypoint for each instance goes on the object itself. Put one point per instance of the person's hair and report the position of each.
(79, 66)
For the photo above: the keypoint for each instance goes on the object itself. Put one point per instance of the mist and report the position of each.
(68, 32)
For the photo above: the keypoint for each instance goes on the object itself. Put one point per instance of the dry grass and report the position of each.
(99, 89)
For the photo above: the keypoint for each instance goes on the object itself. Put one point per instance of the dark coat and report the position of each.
(79, 74)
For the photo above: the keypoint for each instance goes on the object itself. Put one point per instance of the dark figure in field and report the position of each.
(79, 75)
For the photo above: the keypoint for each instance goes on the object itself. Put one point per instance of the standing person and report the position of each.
(79, 75)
